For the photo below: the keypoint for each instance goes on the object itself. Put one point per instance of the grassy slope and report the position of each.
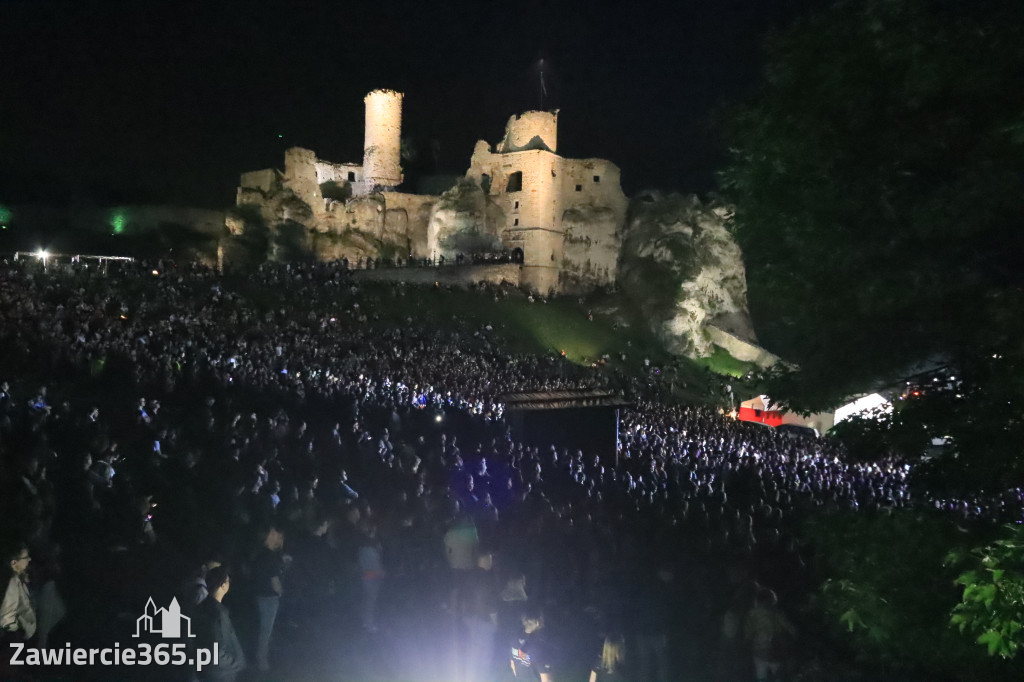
(539, 327)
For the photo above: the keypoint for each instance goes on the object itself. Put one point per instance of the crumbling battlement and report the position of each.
(531, 130)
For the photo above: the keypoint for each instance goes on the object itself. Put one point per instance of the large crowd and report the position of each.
(298, 474)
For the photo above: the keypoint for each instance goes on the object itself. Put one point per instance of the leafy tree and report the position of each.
(887, 589)
(880, 432)
(877, 183)
(992, 605)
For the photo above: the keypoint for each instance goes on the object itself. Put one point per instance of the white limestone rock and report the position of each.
(683, 268)
(463, 221)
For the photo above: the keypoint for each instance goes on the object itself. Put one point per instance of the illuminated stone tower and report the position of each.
(531, 130)
(382, 142)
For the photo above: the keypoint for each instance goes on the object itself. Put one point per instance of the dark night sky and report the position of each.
(170, 102)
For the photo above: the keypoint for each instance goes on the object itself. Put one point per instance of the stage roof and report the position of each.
(561, 400)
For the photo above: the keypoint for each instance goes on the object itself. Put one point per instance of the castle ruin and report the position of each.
(558, 217)
(566, 224)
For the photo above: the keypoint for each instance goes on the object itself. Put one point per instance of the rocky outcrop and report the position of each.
(349, 243)
(463, 221)
(364, 226)
(683, 269)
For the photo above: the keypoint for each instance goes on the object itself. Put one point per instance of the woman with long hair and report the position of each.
(611, 664)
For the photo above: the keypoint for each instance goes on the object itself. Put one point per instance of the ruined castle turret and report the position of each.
(531, 130)
(382, 142)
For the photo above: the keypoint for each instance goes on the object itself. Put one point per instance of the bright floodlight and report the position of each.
(41, 253)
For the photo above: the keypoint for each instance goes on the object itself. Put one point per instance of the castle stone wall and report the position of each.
(538, 202)
(531, 130)
(539, 280)
(591, 248)
(417, 209)
(300, 176)
(542, 256)
(382, 141)
(598, 181)
(338, 172)
(264, 180)
(464, 220)
(592, 219)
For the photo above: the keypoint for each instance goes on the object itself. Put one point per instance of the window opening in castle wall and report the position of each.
(515, 182)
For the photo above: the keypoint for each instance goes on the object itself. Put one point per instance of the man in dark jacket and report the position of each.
(215, 628)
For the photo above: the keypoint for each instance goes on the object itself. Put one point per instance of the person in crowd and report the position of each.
(732, 655)
(346, 490)
(461, 543)
(267, 568)
(610, 665)
(530, 654)
(214, 627)
(243, 397)
(480, 619)
(371, 568)
(654, 609)
(17, 615)
(770, 634)
(195, 591)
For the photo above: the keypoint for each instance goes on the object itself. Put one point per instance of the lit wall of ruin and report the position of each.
(382, 140)
(592, 182)
(590, 252)
(537, 202)
(338, 172)
(414, 210)
(580, 199)
(542, 256)
(564, 213)
(300, 176)
(263, 180)
(531, 130)
(594, 211)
